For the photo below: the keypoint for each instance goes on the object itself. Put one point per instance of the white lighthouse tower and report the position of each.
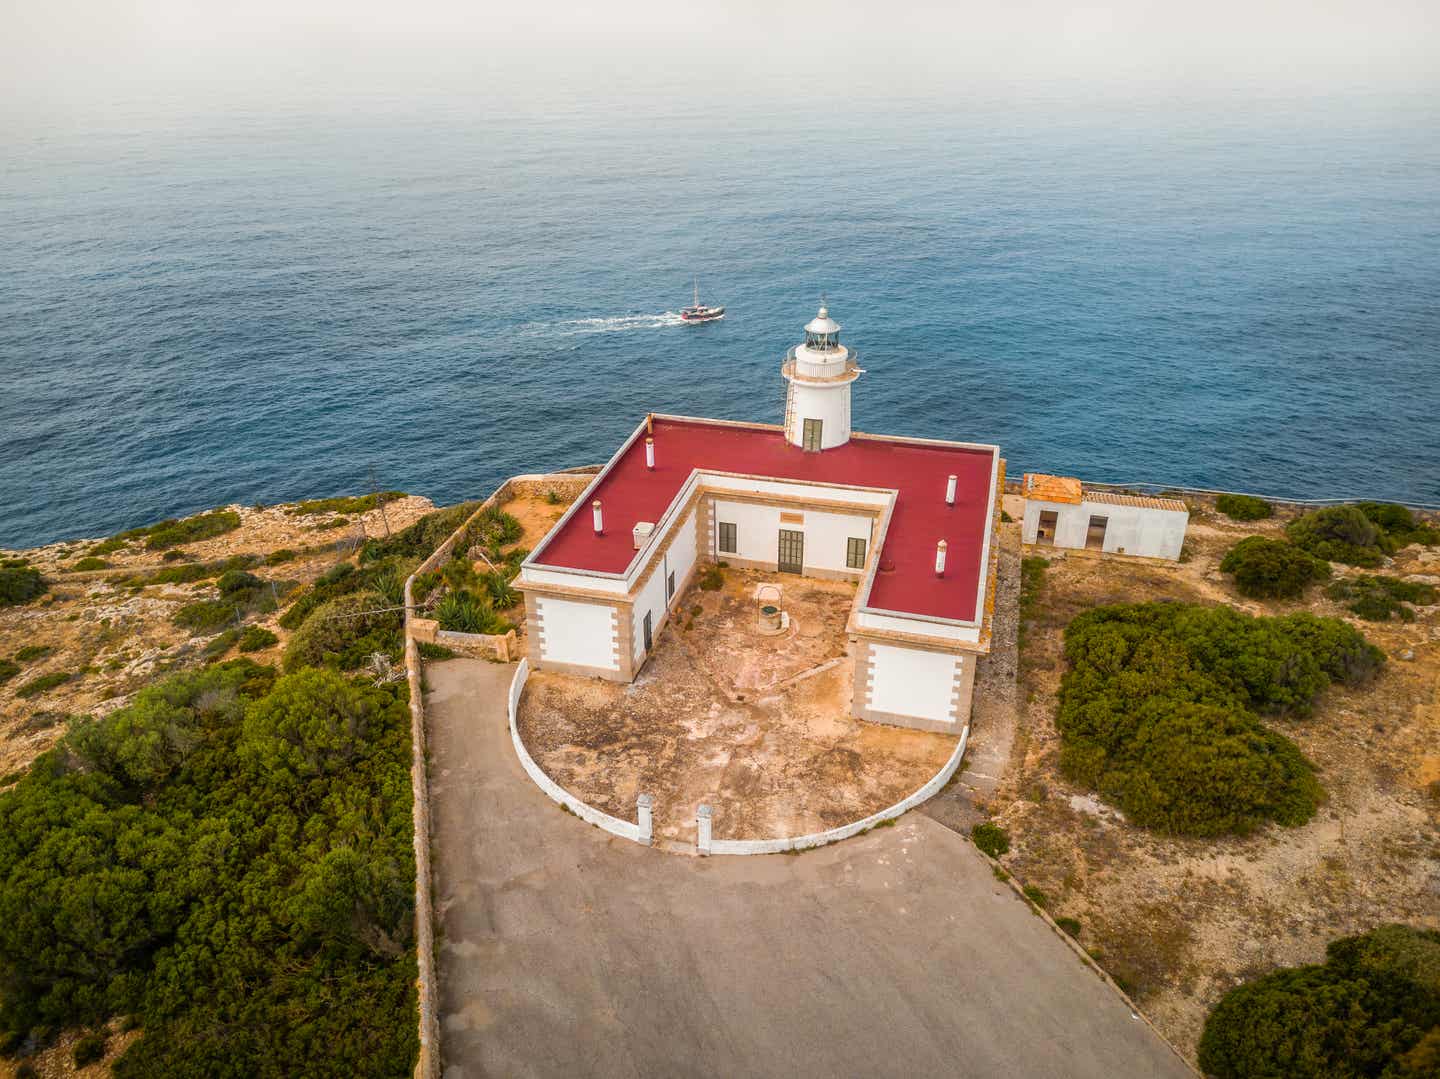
(817, 397)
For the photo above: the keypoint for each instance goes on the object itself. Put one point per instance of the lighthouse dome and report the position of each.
(822, 323)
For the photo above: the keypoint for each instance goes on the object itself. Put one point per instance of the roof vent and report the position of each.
(642, 533)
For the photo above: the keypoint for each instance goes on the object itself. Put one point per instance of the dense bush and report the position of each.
(344, 503)
(387, 577)
(344, 632)
(172, 532)
(206, 615)
(280, 556)
(8, 670)
(20, 584)
(1341, 534)
(89, 1049)
(256, 639)
(990, 838)
(1398, 524)
(33, 652)
(420, 539)
(1244, 507)
(1158, 711)
(1372, 1009)
(1268, 568)
(88, 563)
(492, 530)
(1378, 599)
(229, 858)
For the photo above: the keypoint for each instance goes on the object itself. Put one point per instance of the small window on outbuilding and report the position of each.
(855, 553)
(727, 537)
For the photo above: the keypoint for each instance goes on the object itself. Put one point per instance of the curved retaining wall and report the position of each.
(636, 833)
(641, 834)
(834, 835)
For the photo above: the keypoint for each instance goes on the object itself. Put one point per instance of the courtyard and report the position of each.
(757, 726)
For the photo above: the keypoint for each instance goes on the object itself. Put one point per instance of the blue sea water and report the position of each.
(202, 306)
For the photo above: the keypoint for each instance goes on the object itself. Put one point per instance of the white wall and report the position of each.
(677, 560)
(1137, 530)
(911, 682)
(830, 405)
(581, 633)
(757, 534)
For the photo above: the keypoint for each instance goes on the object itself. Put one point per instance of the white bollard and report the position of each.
(702, 830)
(644, 811)
(950, 490)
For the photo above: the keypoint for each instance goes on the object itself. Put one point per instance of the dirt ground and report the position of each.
(115, 640)
(1179, 922)
(756, 727)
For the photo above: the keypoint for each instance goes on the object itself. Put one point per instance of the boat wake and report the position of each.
(622, 323)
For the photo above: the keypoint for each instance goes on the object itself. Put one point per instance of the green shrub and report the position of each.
(468, 612)
(502, 593)
(990, 838)
(1071, 926)
(108, 546)
(281, 556)
(1372, 1009)
(1264, 568)
(434, 651)
(206, 615)
(1398, 524)
(712, 578)
(43, 684)
(553, 498)
(344, 632)
(33, 652)
(20, 584)
(229, 859)
(1244, 507)
(175, 555)
(424, 584)
(172, 533)
(1378, 599)
(257, 639)
(89, 563)
(1340, 534)
(1158, 711)
(1036, 896)
(1032, 582)
(8, 670)
(346, 504)
(491, 530)
(222, 643)
(420, 539)
(89, 1049)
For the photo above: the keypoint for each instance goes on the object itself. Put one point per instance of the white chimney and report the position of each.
(940, 559)
(599, 520)
(650, 453)
(950, 491)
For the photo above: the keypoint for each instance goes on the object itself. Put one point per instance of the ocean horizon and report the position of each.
(275, 301)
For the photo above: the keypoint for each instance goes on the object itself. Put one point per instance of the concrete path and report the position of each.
(566, 952)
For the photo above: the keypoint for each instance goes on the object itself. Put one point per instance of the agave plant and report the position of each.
(463, 611)
(502, 593)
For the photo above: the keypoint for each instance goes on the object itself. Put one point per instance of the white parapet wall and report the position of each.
(639, 832)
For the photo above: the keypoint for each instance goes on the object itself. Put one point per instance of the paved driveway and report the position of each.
(565, 951)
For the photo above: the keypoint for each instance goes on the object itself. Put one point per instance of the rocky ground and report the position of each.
(1178, 922)
(111, 637)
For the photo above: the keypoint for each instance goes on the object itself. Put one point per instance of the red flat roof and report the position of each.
(630, 492)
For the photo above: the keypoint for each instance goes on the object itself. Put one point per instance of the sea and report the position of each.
(262, 301)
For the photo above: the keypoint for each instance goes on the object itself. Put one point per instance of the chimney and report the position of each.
(650, 454)
(950, 491)
(599, 520)
(940, 559)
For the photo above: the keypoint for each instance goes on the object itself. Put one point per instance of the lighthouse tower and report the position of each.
(817, 397)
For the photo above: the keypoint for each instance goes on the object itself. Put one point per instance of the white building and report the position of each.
(1060, 512)
(913, 521)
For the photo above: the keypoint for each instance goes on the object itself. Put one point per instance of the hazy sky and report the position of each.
(83, 49)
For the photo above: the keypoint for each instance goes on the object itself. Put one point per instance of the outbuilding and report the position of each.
(1061, 512)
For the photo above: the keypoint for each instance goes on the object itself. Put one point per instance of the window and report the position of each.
(670, 586)
(727, 537)
(811, 438)
(855, 553)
